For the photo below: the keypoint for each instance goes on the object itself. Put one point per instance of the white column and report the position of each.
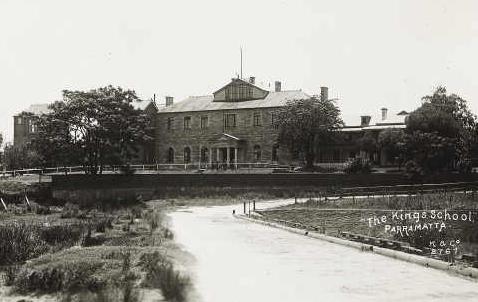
(217, 154)
(200, 154)
(235, 156)
(210, 157)
(228, 160)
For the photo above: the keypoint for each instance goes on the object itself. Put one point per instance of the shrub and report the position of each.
(62, 235)
(161, 274)
(127, 170)
(20, 242)
(168, 234)
(70, 210)
(109, 294)
(172, 284)
(10, 274)
(104, 223)
(42, 210)
(358, 165)
(68, 276)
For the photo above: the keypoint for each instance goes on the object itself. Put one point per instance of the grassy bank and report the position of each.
(90, 254)
(362, 216)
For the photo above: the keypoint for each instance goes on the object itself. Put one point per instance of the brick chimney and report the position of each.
(384, 113)
(365, 120)
(324, 93)
(169, 100)
(277, 86)
(252, 80)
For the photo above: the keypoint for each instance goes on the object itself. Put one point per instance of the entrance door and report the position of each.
(223, 155)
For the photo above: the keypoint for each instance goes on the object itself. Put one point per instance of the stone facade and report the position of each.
(253, 137)
(234, 125)
(24, 123)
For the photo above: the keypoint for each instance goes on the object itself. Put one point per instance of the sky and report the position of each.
(370, 53)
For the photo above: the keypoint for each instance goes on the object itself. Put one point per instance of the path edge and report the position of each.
(416, 259)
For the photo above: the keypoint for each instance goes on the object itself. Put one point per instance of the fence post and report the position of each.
(244, 207)
(4, 205)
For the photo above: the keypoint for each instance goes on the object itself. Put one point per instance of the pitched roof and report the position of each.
(38, 109)
(206, 103)
(235, 80)
(142, 104)
(353, 120)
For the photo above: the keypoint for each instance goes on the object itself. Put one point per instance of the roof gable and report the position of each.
(207, 103)
(239, 90)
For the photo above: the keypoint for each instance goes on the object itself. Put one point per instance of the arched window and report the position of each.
(257, 153)
(275, 155)
(187, 155)
(204, 155)
(171, 155)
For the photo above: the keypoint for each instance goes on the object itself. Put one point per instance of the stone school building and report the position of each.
(236, 125)
(233, 125)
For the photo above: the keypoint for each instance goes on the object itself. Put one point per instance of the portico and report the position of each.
(225, 150)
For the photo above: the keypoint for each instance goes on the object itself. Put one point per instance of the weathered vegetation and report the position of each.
(90, 254)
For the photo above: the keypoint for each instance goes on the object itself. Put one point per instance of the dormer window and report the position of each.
(238, 92)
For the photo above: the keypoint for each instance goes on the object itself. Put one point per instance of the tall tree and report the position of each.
(306, 124)
(93, 128)
(441, 133)
(391, 141)
(368, 144)
(20, 157)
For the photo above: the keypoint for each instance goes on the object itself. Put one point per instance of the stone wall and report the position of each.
(90, 188)
(250, 135)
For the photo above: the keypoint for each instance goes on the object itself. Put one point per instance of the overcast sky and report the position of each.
(369, 53)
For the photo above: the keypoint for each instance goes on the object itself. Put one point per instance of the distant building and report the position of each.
(25, 127)
(355, 128)
(235, 124)
(24, 123)
(146, 152)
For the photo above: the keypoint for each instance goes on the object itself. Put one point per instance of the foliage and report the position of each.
(306, 124)
(12, 186)
(92, 128)
(62, 276)
(367, 143)
(440, 133)
(20, 242)
(358, 165)
(21, 157)
(391, 141)
(161, 274)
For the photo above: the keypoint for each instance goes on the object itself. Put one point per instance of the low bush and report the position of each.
(104, 223)
(42, 210)
(20, 242)
(161, 274)
(9, 274)
(358, 165)
(109, 294)
(59, 277)
(62, 235)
